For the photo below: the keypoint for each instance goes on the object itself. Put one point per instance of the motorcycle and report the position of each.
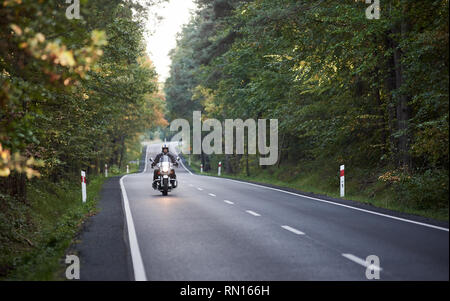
(165, 168)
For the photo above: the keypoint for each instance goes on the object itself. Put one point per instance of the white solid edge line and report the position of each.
(211, 194)
(136, 258)
(176, 147)
(293, 230)
(228, 202)
(342, 205)
(361, 261)
(334, 203)
(145, 165)
(138, 265)
(185, 168)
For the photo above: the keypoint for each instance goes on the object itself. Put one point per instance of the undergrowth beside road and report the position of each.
(34, 235)
(360, 185)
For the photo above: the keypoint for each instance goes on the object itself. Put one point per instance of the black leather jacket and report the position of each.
(170, 155)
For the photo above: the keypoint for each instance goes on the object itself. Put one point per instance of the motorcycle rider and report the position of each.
(164, 151)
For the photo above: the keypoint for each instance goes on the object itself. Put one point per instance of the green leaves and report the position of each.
(372, 93)
(73, 92)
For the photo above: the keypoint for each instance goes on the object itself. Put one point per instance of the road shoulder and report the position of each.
(102, 247)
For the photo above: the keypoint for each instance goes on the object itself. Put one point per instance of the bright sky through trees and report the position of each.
(174, 14)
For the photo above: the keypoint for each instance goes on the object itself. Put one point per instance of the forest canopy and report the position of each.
(73, 92)
(368, 93)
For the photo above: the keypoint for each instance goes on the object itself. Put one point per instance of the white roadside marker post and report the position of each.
(128, 170)
(106, 170)
(189, 160)
(83, 186)
(219, 169)
(201, 168)
(342, 186)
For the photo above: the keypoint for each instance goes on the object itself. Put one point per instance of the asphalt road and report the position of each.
(218, 229)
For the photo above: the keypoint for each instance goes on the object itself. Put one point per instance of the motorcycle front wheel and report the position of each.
(165, 186)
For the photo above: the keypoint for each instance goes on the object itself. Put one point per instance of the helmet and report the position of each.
(165, 147)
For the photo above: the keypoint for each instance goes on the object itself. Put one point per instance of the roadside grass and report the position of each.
(35, 235)
(319, 182)
(115, 171)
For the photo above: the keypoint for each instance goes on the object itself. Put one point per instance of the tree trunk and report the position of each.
(122, 152)
(227, 165)
(390, 104)
(280, 151)
(402, 107)
(246, 165)
(14, 185)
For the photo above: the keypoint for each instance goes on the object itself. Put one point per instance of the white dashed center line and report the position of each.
(253, 213)
(293, 230)
(200, 188)
(211, 194)
(361, 262)
(228, 202)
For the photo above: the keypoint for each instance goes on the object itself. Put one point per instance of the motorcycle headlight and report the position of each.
(165, 167)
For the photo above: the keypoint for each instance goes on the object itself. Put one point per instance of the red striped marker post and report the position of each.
(83, 186)
(201, 168)
(128, 170)
(219, 169)
(342, 186)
